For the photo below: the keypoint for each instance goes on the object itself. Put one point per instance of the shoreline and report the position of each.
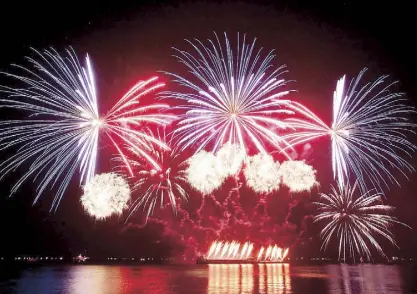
(14, 264)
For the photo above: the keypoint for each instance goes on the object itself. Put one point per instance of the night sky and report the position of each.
(127, 41)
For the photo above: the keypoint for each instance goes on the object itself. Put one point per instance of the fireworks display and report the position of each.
(262, 173)
(105, 195)
(230, 158)
(234, 97)
(204, 172)
(221, 250)
(353, 222)
(158, 185)
(229, 251)
(62, 132)
(272, 254)
(368, 132)
(207, 172)
(231, 148)
(297, 175)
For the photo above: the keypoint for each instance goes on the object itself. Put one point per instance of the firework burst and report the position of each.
(105, 195)
(158, 185)
(369, 132)
(354, 222)
(62, 132)
(230, 158)
(297, 175)
(234, 97)
(204, 172)
(262, 173)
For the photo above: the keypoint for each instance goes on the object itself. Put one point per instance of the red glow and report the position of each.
(122, 121)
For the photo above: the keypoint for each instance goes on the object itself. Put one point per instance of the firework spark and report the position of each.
(368, 132)
(229, 250)
(105, 195)
(272, 254)
(234, 98)
(62, 134)
(222, 250)
(262, 173)
(354, 221)
(157, 185)
(297, 175)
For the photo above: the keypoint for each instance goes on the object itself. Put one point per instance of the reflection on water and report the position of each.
(98, 281)
(274, 278)
(364, 279)
(230, 278)
(246, 278)
(216, 278)
(95, 279)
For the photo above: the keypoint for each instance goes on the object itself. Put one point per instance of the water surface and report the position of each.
(230, 279)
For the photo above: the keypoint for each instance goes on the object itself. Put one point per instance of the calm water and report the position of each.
(271, 278)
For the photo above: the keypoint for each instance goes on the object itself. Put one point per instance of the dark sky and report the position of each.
(318, 42)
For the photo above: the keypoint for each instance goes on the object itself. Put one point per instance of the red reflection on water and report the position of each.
(147, 279)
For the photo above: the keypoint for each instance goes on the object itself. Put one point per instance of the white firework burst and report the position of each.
(297, 175)
(262, 173)
(61, 132)
(105, 195)
(354, 222)
(154, 185)
(234, 96)
(204, 172)
(369, 133)
(231, 158)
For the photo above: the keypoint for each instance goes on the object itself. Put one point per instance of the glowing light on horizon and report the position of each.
(272, 253)
(223, 250)
(62, 134)
(105, 195)
(229, 250)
